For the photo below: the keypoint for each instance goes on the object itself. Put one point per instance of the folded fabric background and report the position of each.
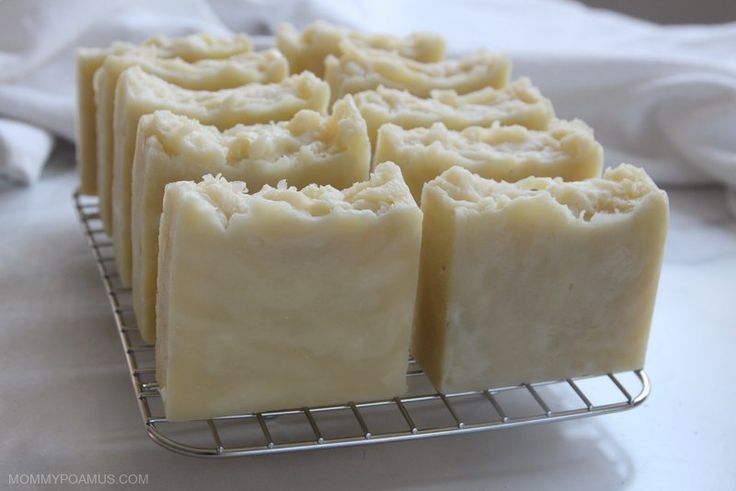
(660, 97)
(38, 42)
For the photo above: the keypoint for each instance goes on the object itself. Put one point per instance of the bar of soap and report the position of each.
(307, 50)
(89, 60)
(262, 67)
(308, 149)
(359, 69)
(519, 103)
(536, 280)
(284, 298)
(139, 93)
(566, 149)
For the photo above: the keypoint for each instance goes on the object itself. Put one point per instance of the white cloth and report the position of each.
(21, 163)
(38, 39)
(660, 97)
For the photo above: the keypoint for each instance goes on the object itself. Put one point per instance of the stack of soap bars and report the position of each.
(295, 222)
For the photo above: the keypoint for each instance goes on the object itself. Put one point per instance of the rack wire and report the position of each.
(421, 413)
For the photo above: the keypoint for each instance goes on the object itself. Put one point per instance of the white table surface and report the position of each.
(66, 405)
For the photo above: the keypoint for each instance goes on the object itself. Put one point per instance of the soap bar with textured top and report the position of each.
(519, 103)
(284, 298)
(139, 93)
(310, 148)
(261, 67)
(89, 60)
(536, 280)
(359, 69)
(307, 50)
(566, 149)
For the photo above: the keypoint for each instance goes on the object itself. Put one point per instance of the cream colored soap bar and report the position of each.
(307, 50)
(89, 60)
(308, 149)
(567, 150)
(536, 280)
(519, 103)
(360, 69)
(139, 93)
(261, 67)
(284, 298)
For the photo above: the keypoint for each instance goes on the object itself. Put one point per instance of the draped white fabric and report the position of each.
(660, 97)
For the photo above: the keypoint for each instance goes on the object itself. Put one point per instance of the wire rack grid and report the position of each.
(421, 413)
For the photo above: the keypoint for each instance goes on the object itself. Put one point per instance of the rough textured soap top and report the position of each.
(308, 49)
(189, 48)
(361, 69)
(518, 103)
(306, 137)
(384, 191)
(198, 46)
(263, 67)
(621, 191)
(252, 97)
(116, 48)
(520, 92)
(499, 143)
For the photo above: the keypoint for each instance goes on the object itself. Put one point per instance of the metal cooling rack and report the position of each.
(421, 413)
